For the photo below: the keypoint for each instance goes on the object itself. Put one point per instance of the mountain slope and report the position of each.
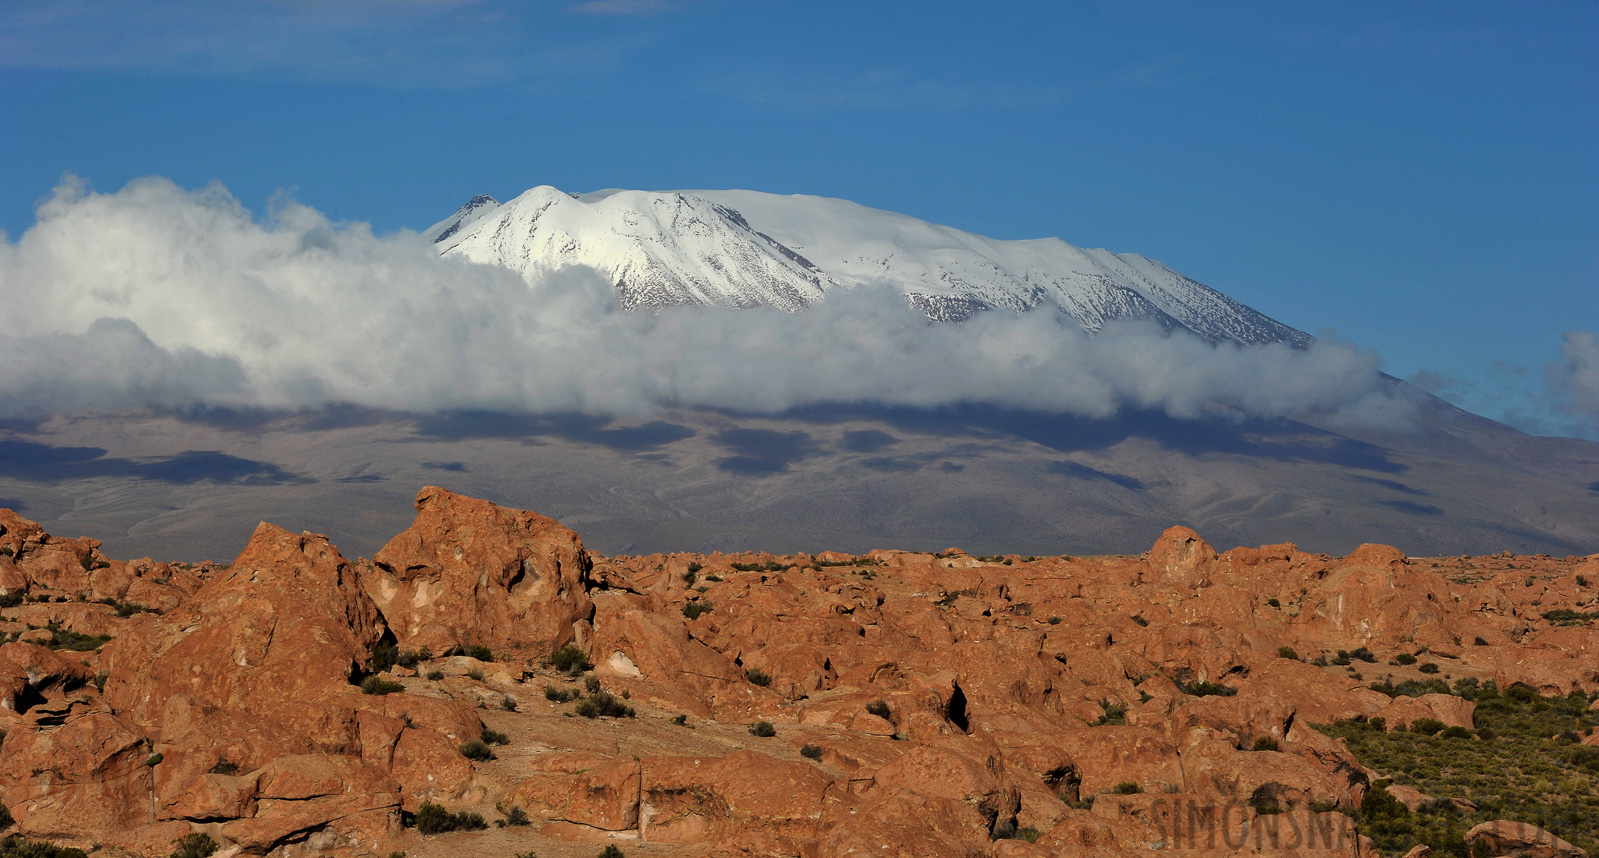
(747, 249)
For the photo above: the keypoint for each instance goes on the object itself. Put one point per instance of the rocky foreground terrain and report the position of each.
(485, 673)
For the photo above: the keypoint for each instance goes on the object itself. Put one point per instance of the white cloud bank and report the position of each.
(159, 296)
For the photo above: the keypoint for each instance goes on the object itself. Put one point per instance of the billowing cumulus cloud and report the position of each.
(160, 296)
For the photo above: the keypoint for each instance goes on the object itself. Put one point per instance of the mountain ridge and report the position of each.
(744, 249)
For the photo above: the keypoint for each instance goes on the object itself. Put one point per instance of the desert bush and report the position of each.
(811, 752)
(434, 819)
(1115, 713)
(569, 659)
(693, 610)
(514, 817)
(561, 695)
(611, 851)
(225, 766)
(879, 708)
(17, 846)
(603, 704)
(74, 641)
(414, 657)
(435, 675)
(763, 729)
(680, 720)
(1127, 788)
(508, 703)
(1428, 667)
(1287, 652)
(477, 749)
(1404, 658)
(475, 675)
(1265, 743)
(1521, 769)
(378, 685)
(195, 844)
(1427, 726)
(6, 821)
(495, 737)
(758, 677)
(1206, 688)
(1363, 654)
(480, 652)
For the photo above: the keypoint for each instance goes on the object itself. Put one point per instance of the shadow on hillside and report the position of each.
(585, 428)
(26, 460)
(1279, 439)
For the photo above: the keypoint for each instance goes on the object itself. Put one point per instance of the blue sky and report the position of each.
(1419, 178)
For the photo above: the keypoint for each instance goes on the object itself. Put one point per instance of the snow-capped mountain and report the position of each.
(749, 249)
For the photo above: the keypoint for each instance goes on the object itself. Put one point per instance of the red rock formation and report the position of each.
(918, 704)
(467, 572)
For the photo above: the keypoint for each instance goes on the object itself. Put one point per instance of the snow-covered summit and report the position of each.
(747, 249)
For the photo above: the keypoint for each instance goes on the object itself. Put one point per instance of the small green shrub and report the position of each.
(477, 749)
(611, 851)
(6, 821)
(495, 737)
(569, 659)
(514, 817)
(693, 610)
(561, 695)
(70, 640)
(1455, 731)
(811, 752)
(1427, 726)
(225, 766)
(435, 675)
(763, 730)
(603, 704)
(1405, 658)
(508, 703)
(475, 675)
(378, 685)
(1428, 667)
(1115, 713)
(1127, 788)
(1206, 688)
(879, 708)
(758, 677)
(434, 819)
(480, 652)
(1265, 743)
(680, 720)
(1363, 654)
(195, 844)
(1287, 652)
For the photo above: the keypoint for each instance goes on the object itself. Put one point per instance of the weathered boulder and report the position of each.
(467, 572)
(1520, 840)
(80, 780)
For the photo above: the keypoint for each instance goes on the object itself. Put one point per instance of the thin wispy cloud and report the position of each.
(397, 43)
(627, 7)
